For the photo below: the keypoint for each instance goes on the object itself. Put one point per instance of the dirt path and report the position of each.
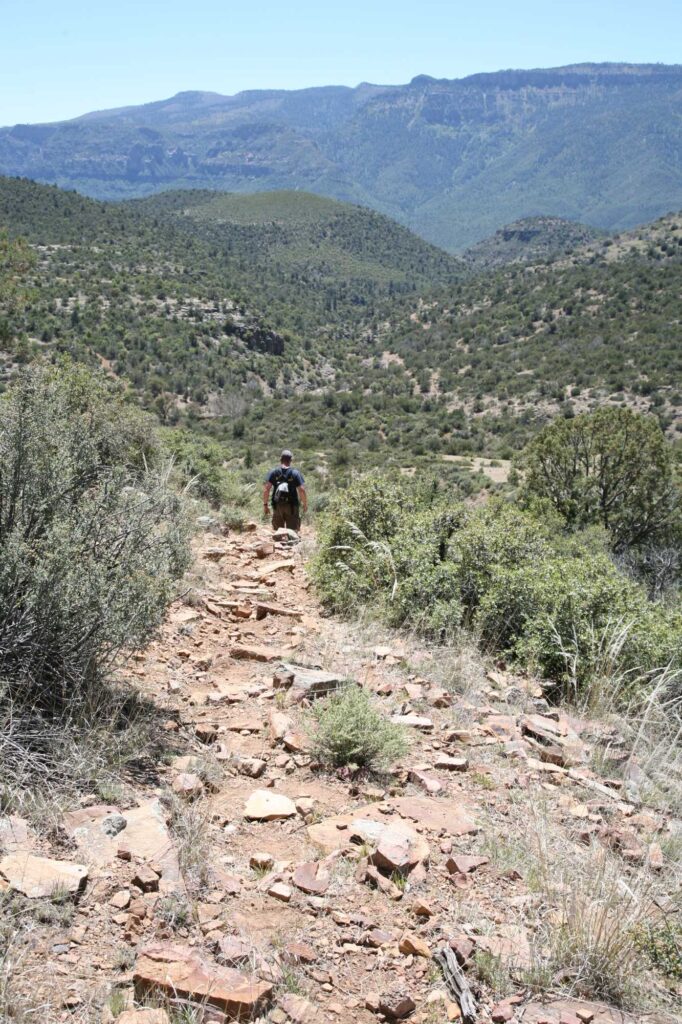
(243, 878)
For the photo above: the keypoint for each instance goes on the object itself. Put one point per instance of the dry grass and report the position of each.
(190, 826)
(104, 742)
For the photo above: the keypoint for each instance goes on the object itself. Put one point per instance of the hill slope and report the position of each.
(454, 160)
(530, 240)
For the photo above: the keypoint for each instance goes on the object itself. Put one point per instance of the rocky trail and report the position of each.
(240, 878)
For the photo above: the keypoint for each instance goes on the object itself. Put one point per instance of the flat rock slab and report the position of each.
(310, 682)
(179, 973)
(311, 878)
(263, 609)
(16, 835)
(145, 836)
(267, 570)
(41, 877)
(552, 1012)
(446, 817)
(266, 805)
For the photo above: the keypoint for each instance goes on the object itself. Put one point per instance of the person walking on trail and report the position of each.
(288, 494)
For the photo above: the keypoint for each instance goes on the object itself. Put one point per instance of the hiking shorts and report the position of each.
(288, 516)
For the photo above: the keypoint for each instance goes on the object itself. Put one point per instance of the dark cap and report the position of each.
(286, 454)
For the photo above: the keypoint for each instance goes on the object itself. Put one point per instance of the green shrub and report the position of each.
(427, 592)
(348, 729)
(354, 560)
(92, 538)
(553, 601)
(612, 467)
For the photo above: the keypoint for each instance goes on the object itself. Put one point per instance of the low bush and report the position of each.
(355, 560)
(92, 542)
(555, 602)
(347, 729)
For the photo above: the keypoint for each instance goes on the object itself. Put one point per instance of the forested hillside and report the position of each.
(454, 160)
(246, 313)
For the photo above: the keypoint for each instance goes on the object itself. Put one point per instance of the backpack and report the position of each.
(284, 487)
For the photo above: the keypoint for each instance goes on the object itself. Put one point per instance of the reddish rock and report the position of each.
(299, 953)
(279, 725)
(296, 742)
(376, 938)
(396, 1005)
(311, 878)
(206, 733)
(144, 1016)
(146, 879)
(399, 848)
(503, 1012)
(426, 782)
(283, 679)
(299, 1010)
(264, 549)
(263, 609)
(462, 946)
(411, 944)
(234, 952)
(16, 835)
(243, 652)
(180, 973)
(385, 885)
(465, 864)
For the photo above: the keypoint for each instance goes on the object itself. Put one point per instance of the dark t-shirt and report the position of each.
(291, 475)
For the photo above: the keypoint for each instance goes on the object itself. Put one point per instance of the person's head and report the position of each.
(286, 457)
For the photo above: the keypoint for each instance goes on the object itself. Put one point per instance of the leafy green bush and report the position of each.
(347, 728)
(92, 538)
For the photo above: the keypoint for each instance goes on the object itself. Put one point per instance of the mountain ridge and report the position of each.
(452, 159)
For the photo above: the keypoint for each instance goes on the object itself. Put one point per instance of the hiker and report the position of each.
(288, 494)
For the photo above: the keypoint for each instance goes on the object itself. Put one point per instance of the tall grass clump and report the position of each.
(92, 541)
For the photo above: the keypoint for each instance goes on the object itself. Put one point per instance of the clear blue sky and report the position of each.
(61, 58)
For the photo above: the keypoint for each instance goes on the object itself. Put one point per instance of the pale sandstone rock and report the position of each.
(281, 892)
(41, 877)
(16, 835)
(266, 805)
(145, 837)
(413, 722)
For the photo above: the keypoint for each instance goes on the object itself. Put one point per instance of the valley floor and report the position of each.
(238, 877)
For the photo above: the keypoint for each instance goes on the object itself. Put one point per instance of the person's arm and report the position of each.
(266, 497)
(302, 497)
